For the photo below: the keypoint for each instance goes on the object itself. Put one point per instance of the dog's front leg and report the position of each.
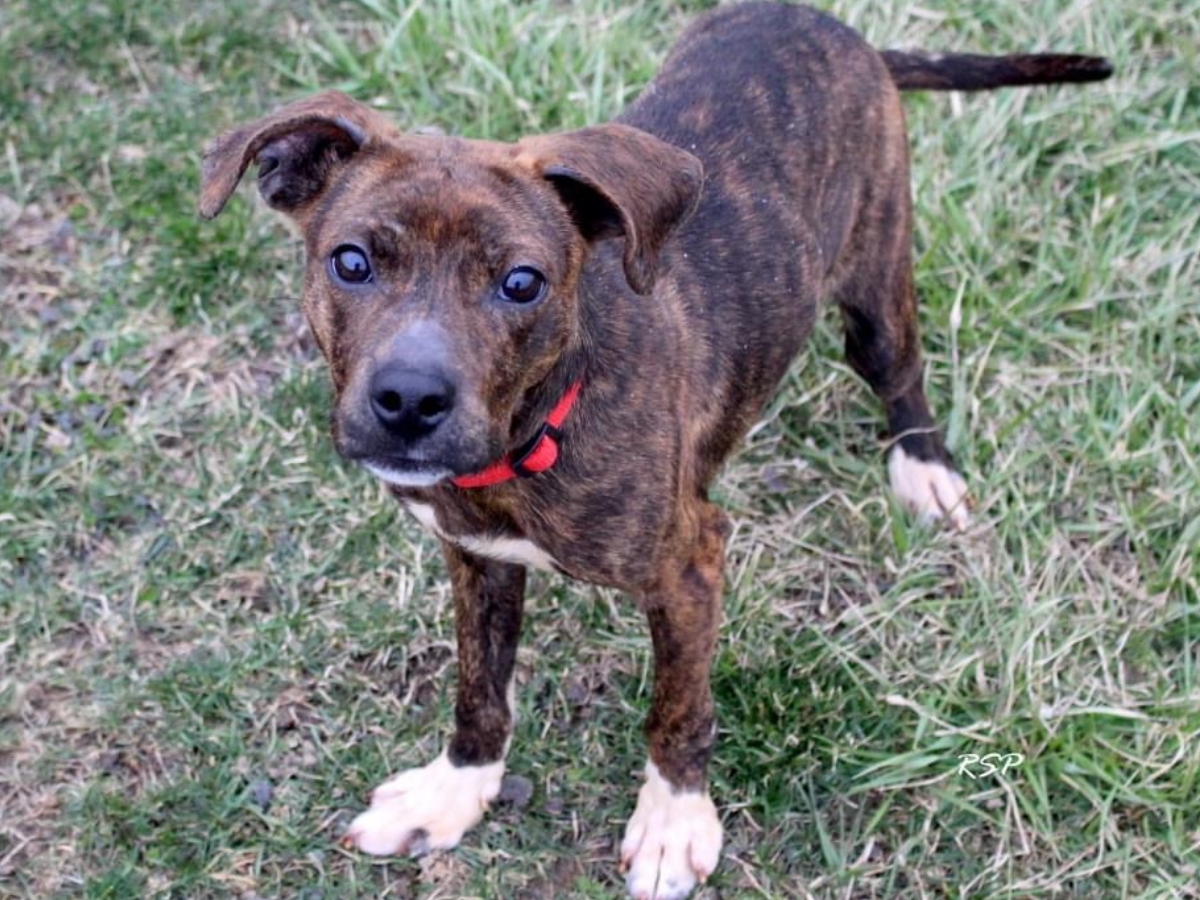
(431, 807)
(673, 838)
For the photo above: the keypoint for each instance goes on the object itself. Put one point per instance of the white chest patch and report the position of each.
(424, 514)
(506, 549)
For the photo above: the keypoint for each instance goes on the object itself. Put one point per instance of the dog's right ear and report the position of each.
(296, 148)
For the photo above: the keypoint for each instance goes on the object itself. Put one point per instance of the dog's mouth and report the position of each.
(424, 462)
(407, 472)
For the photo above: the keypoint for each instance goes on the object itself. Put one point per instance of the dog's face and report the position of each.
(441, 287)
(442, 280)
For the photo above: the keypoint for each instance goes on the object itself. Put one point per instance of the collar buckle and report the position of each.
(539, 453)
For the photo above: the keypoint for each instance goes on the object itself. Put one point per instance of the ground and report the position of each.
(215, 637)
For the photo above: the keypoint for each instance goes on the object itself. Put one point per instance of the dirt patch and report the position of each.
(39, 247)
(557, 881)
(416, 673)
(53, 743)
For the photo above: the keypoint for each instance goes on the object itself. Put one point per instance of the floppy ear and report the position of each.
(618, 180)
(296, 149)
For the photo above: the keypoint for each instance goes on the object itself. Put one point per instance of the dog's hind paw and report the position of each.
(425, 809)
(673, 840)
(931, 490)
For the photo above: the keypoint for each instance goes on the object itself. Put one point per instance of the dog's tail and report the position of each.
(972, 72)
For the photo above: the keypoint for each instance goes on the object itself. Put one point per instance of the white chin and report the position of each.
(407, 477)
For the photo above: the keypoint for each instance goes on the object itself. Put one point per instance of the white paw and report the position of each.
(672, 841)
(930, 490)
(425, 809)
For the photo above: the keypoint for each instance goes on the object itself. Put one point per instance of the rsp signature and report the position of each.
(975, 766)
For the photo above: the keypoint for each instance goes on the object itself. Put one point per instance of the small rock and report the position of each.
(515, 791)
(775, 478)
(262, 792)
(577, 692)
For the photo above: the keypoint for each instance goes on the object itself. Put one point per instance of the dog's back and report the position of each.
(801, 135)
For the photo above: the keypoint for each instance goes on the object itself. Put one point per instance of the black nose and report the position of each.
(410, 404)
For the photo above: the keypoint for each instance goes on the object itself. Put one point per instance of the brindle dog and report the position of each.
(606, 312)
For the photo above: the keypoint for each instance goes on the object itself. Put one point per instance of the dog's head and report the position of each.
(442, 280)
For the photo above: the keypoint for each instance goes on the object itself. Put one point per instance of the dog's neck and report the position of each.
(542, 399)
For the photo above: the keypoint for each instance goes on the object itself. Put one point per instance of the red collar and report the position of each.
(538, 454)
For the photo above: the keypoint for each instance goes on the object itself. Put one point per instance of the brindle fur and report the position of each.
(687, 246)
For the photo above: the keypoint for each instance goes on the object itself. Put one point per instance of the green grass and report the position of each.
(215, 638)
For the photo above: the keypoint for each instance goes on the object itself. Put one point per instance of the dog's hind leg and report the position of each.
(879, 309)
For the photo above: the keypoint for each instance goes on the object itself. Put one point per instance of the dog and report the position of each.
(547, 349)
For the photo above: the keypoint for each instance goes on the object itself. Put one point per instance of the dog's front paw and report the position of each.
(929, 489)
(673, 840)
(425, 809)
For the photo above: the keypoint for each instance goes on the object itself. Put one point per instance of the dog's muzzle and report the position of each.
(410, 405)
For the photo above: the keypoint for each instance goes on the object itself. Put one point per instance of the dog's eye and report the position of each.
(350, 265)
(524, 284)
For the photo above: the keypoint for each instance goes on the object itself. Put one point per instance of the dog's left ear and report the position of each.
(297, 149)
(618, 180)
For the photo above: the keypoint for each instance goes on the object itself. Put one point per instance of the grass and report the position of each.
(216, 638)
